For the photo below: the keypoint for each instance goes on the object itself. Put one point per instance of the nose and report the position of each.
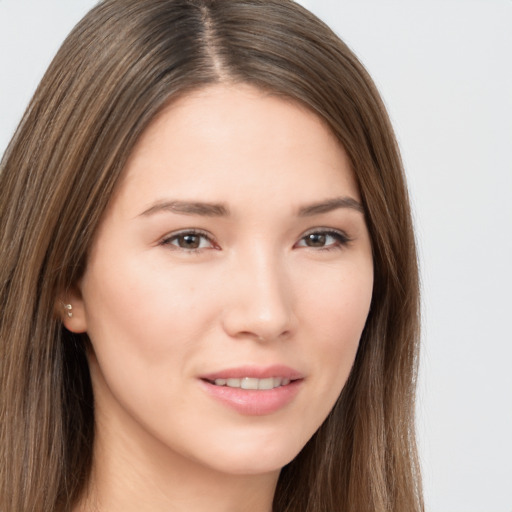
(260, 302)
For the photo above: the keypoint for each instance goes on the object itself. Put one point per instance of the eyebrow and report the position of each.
(205, 209)
(330, 205)
(188, 208)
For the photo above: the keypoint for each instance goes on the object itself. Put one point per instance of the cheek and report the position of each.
(147, 327)
(338, 304)
(139, 305)
(141, 324)
(336, 311)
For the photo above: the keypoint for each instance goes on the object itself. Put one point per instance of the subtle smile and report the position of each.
(253, 383)
(254, 390)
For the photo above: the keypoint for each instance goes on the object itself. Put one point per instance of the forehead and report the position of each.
(233, 139)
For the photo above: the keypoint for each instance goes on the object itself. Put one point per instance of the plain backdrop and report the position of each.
(444, 70)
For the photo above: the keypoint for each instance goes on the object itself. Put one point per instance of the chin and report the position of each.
(253, 459)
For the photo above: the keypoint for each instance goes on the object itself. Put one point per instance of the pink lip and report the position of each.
(254, 402)
(255, 372)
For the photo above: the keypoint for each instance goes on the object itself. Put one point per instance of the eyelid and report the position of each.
(339, 235)
(167, 239)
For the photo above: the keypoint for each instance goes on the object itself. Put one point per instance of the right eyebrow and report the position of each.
(188, 208)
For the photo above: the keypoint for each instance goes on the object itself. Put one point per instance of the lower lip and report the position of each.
(254, 402)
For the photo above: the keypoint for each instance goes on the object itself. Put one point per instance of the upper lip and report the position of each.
(255, 372)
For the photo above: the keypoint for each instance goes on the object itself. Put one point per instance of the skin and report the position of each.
(258, 290)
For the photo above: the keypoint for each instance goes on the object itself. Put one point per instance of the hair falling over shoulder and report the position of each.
(114, 73)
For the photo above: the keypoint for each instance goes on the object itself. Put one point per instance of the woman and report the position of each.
(209, 286)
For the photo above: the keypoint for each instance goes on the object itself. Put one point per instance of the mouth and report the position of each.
(254, 391)
(252, 382)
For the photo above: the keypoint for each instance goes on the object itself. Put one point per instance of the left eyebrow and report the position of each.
(329, 205)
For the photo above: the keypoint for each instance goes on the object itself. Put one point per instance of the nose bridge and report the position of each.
(261, 299)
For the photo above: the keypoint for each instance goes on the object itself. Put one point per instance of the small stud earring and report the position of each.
(69, 309)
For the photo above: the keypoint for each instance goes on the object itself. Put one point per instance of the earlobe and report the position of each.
(71, 311)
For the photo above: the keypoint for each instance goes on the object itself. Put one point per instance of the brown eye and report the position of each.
(189, 241)
(324, 240)
(315, 239)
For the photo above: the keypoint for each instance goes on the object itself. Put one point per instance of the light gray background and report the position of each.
(444, 70)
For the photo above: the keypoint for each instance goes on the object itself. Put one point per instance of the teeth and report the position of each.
(252, 383)
(248, 383)
(268, 383)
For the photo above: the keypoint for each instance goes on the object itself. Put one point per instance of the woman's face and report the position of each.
(234, 254)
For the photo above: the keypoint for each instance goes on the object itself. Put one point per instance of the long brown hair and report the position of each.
(117, 69)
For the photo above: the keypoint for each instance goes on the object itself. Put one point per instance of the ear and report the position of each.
(71, 310)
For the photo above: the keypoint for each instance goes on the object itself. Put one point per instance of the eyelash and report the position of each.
(189, 232)
(341, 240)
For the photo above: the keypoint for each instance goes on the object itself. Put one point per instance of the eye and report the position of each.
(324, 239)
(190, 240)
